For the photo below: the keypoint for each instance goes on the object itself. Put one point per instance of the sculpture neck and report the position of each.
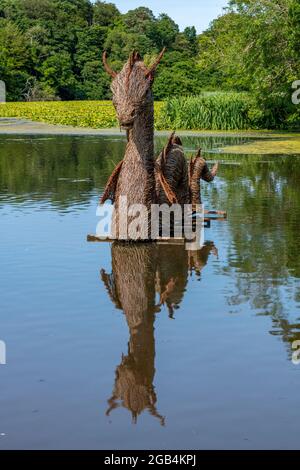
(141, 136)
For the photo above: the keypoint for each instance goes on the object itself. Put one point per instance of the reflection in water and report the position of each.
(262, 198)
(66, 170)
(140, 274)
(44, 182)
(260, 193)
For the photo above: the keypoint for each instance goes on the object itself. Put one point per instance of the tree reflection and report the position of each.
(262, 198)
(57, 170)
(63, 170)
(260, 193)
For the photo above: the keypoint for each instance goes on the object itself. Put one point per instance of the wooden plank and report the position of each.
(170, 241)
(223, 213)
(94, 238)
(209, 215)
(161, 240)
(206, 219)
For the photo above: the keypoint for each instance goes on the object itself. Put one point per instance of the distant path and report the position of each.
(14, 126)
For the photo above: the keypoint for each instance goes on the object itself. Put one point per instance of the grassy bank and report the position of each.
(208, 111)
(94, 114)
(217, 111)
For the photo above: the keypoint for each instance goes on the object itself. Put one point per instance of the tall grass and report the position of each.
(207, 111)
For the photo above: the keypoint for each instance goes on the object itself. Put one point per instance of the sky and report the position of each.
(198, 13)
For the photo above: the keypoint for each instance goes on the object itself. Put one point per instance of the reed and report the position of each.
(207, 111)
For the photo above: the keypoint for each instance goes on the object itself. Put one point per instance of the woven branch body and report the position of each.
(138, 176)
(198, 169)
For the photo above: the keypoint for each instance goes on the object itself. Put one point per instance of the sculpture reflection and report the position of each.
(144, 278)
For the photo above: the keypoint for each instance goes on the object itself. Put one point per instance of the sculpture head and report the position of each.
(132, 87)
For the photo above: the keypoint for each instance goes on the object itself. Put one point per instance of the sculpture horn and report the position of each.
(131, 59)
(134, 57)
(108, 69)
(154, 66)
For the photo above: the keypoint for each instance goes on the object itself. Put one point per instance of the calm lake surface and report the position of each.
(93, 362)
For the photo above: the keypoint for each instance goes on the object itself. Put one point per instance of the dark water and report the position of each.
(93, 361)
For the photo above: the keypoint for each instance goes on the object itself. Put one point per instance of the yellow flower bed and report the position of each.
(95, 114)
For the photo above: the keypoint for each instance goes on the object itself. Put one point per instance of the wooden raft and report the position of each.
(219, 215)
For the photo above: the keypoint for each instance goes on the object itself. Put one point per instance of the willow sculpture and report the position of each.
(139, 176)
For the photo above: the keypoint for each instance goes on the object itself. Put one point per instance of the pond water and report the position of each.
(94, 361)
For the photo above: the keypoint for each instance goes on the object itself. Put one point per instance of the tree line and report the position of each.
(51, 49)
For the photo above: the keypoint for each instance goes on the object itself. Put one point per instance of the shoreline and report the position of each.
(262, 142)
(17, 126)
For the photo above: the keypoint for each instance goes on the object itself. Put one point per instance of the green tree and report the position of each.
(252, 47)
(164, 32)
(190, 34)
(56, 48)
(93, 82)
(139, 21)
(56, 72)
(105, 14)
(176, 76)
(13, 59)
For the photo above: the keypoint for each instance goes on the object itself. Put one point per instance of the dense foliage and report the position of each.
(254, 47)
(51, 50)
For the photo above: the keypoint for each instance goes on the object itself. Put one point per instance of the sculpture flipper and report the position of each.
(111, 186)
